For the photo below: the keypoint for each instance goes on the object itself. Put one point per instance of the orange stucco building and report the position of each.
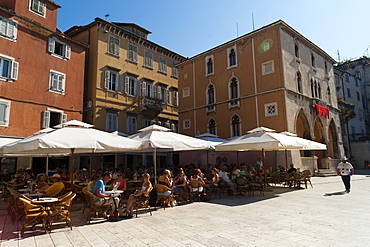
(272, 77)
(42, 70)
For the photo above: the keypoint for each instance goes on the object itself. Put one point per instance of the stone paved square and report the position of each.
(318, 216)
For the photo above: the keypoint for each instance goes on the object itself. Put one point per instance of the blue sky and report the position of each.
(190, 27)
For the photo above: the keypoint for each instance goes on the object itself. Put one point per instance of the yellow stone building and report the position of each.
(272, 77)
(131, 82)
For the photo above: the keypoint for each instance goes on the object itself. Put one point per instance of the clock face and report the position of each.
(265, 45)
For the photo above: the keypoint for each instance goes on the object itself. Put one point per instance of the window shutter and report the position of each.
(175, 98)
(120, 83)
(106, 79)
(3, 109)
(159, 93)
(63, 118)
(3, 26)
(14, 73)
(153, 95)
(51, 45)
(10, 30)
(68, 52)
(60, 82)
(137, 87)
(127, 85)
(143, 89)
(54, 81)
(167, 96)
(173, 127)
(46, 119)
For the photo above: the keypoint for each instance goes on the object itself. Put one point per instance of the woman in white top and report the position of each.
(145, 190)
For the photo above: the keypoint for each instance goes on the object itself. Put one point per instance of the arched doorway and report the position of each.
(319, 137)
(303, 130)
(333, 148)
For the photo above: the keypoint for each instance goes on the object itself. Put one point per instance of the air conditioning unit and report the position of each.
(88, 104)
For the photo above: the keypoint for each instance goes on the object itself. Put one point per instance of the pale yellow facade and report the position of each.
(131, 82)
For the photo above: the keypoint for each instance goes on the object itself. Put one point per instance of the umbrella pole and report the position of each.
(286, 159)
(155, 165)
(72, 162)
(47, 165)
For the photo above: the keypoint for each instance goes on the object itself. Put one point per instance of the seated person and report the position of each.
(225, 176)
(56, 188)
(250, 168)
(181, 183)
(281, 169)
(83, 177)
(64, 176)
(244, 171)
(42, 182)
(196, 177)
(292, 169)
(215, 179)
(18, 182)
(120, 181)
(165, 178)
(91, 184)
(146, 187)
(105, 199)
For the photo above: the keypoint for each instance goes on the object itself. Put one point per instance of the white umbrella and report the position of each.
(157, 138)
(69, 140)
(306, 144)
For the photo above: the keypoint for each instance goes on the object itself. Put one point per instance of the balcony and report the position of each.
(150, 107)
(347, 110)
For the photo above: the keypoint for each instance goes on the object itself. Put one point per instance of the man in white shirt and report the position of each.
(345, 170)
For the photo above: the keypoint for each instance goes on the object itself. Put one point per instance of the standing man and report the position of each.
(345, 170)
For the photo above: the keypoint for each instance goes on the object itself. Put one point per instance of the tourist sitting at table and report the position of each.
(215, 179)
(244, 172)
(91, 184)
(83, 176)
(18, 182)
(225, 176)
(146, 187)
(5, 176)
(105, 199)
(42, 182)
(120, 181)
(292, 169)
(196, 177)
(115, 173)
(64, 176)
(56, 188)
(181, 183)
(165, 178)
(281, 169)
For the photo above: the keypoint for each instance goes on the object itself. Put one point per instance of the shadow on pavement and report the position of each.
(269, 193)
(335, 193)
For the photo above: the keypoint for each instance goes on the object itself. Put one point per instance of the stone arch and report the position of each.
(319, 136)
(302, 129)
(333, 146)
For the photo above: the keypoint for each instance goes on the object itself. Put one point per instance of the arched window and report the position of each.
(312, 60)
(312, 89)
(234, 89)
(212, 126)
(315, 89)
(296, 50)
(235, 126)
(299, 82)
(210, 95)
(232, 58)
(210, 66)
(329, 95)
(319, 90)
(326, 68)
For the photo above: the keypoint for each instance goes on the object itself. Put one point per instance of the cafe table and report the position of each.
(47, 202)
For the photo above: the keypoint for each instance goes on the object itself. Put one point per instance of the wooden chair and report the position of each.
(34, 214)
(77, 189)
(143, 202)
(16, 207)
(196, 189)
(223, 186)
(307, 177)
(242, 186)
(257, 183)
(61, 211)
(161, 197)
(94, 208)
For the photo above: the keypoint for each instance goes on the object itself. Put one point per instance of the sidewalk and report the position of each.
(319, 216)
